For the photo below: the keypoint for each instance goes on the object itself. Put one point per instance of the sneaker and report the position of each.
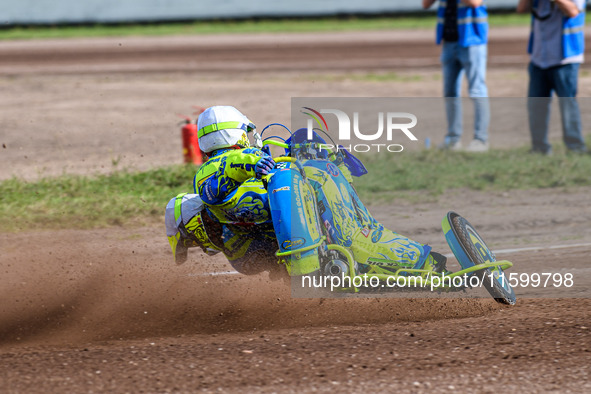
(451, 146)
(477, 146)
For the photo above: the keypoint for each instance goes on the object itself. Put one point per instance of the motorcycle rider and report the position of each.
(229, 184)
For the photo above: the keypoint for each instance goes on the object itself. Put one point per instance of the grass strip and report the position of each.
(434, 172)
(73, 201)
(125, 198)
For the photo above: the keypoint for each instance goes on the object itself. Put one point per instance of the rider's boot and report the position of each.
(436, 262)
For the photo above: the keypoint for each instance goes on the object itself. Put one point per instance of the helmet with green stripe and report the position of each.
(223, 126)
(185, 226)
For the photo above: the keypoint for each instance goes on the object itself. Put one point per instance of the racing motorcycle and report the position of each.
(326, 235)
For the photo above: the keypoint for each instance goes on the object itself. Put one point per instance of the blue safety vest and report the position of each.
(472, 24)
(573, 35)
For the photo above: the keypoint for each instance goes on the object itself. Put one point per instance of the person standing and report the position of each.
(462, 29)
(556, 47)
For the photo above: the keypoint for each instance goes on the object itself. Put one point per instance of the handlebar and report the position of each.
(284, 159)
(276, 143)
(288, 159)
(284, 145)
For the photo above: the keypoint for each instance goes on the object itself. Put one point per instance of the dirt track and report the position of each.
(332, 52)
(106, 310)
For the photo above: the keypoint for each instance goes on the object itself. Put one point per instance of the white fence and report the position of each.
(109, 11)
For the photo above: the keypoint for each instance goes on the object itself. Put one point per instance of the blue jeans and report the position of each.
(562, 80)
(455, 61)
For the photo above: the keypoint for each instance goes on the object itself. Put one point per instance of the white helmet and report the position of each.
(223, 126)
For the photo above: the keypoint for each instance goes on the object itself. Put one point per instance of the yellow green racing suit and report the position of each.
(236, 199)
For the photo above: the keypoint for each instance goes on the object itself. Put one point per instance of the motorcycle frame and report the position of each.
(403, 272)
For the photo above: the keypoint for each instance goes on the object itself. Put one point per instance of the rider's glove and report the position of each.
(263, 166)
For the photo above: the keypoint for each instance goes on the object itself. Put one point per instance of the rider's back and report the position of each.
(227, 185)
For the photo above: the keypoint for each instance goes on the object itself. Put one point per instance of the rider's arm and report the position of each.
(240, 164)
(235, 167)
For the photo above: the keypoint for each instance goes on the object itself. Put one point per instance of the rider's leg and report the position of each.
(350, 224)
(250, 252)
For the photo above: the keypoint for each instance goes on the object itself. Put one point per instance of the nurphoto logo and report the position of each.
(396, 123)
